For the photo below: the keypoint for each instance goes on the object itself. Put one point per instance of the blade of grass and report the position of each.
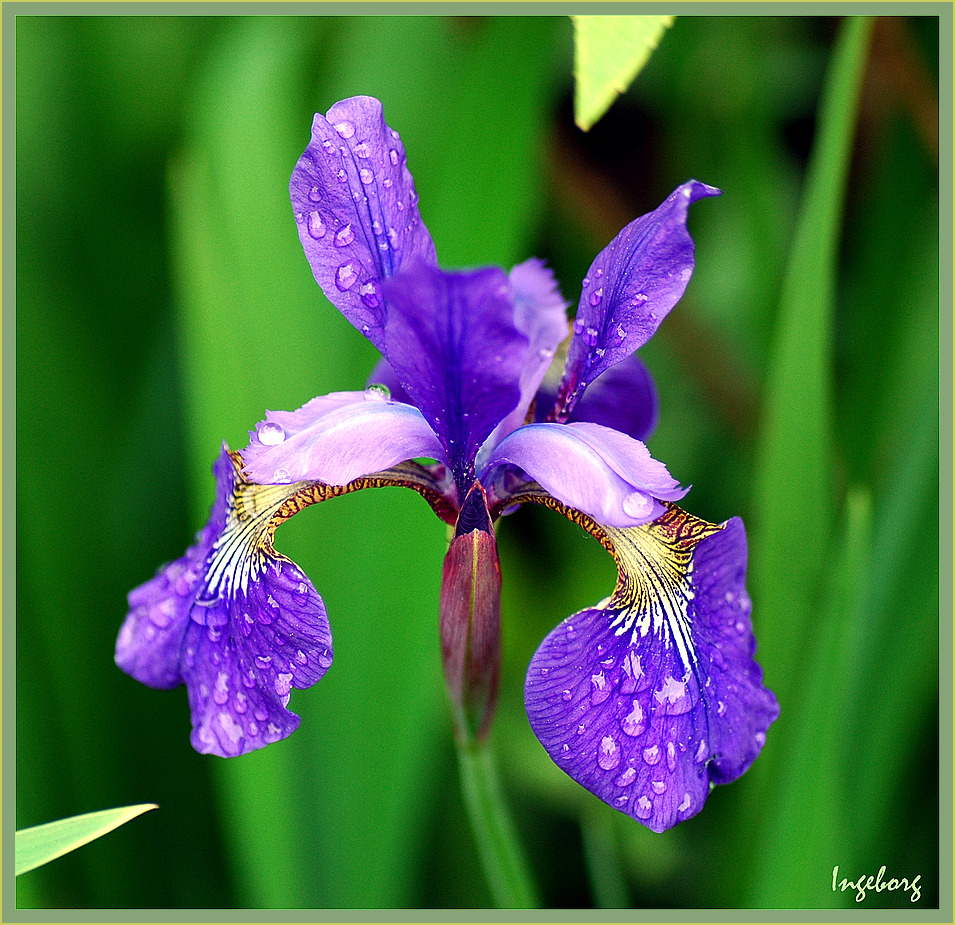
(793, 492)
(41, 844)
(808, 819)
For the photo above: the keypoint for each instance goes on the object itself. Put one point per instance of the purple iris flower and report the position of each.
(646, 698)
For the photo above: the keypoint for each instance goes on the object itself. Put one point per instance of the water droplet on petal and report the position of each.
(347, 276)
(590, 337)
(621, 331)
(608, 755)
(387, 183)
(627, 778)
(281, 477)
(369, 294)
(220, 693)
(241, 703)
(315, 194)
(651, 755)
(581, 729)
(578, 326)
(366, 176)
(325, 659)
(658, 786)
(566, 695)
(342, 176)
(344, 236)
(760, 739)
(263, 661)
(377, 392)
(596, 297)
(685, 804)
(283, 684)
(329, 146)
(601, 690)
(637, 504)
(393, 238)
(643, 808)
(345, 129)
(270, 433)
(316, 227)
(362, 150)
(671, 756)
(634, 722)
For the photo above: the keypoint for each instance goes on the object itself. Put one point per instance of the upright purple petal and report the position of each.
(540, 315)
(606, 474)
(240, 624)
(453, 345)
(337, 438)
(649, 700)
(630, 287)
(357, 210)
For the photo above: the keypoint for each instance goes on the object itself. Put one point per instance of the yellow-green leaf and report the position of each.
(609, 52)
(44, 843)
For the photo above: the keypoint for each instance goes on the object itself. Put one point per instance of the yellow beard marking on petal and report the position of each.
(254, 511)
(654, 567)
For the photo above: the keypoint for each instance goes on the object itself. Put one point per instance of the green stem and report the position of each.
(501, 855)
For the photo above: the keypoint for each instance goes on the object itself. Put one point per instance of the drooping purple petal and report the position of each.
(647, 701)
(606, 474)
(337, 438)
(238, 623)
(357, 210)
(453, 345)
(629, 289)
(624, 398)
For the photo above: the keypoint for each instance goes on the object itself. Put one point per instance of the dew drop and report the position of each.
(241, 703)
(760, 739)
(643, 808)
(658, 786)
(362, 150)
(253, 729)
(301, 657)
(621, 332)
(600, 690)
(329, 146)
(590, 337)
(344, 236)
(596, 297)
(684, 804)
(342, 176)
(316, 227)
(281, 477)
(346, 277)
(263, 661)
(608, 755)
(369, 294)
(377, 392)
(325, 659)
(637, 504)
(701, 752)
(283, 684)
(345, 129)
(261, 714)
(581, 729)
(393, 238)
(627, 778)
(315, 194)
(270, 433)
(220, 693)
(634, 722)
(376, 228)
(366, 176)
(393, 157)
(671, 756)
(651, 755)
(387, 183)
(578, 326)
(720, 708)
(566, 695)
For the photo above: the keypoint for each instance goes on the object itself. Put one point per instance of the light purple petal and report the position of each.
(357, 210)
(453, 345)
(648, 701)
(603, 473)
(540, 314)
(337, 438)
(238, 623)
(623, 398)
(630, 287)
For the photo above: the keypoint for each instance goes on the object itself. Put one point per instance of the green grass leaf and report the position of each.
(609, 52)
(44, 843)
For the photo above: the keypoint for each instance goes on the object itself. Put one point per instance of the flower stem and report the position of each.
(501, 855)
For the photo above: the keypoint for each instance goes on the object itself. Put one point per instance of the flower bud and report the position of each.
(471, 619)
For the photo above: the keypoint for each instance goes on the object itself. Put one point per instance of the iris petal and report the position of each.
(337, 438)
(452, 343)
(649, 699)
(603, 473)
(629, 289)
(357, 210)
(240, 624)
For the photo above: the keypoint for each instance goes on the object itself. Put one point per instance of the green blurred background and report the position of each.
(163, 303)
